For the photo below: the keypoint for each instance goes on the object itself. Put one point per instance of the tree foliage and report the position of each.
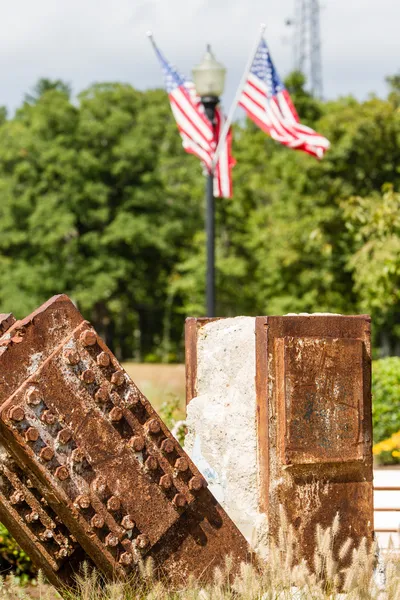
(98, 200)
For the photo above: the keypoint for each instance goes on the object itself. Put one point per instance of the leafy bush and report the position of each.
(386, 397)
(13, 559)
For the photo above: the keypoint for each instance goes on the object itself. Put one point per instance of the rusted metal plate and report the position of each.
(320, 399)
(192, 325)
(262, 403)
(35, 526)
(23, 509)
(6, 320)
(109, 467)
(318, 387)
(40, 333)
(313, 400)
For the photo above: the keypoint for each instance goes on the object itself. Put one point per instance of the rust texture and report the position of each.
(262, 410)
(6, 320)
(318, 372)
(313, 398)
(105, 462)
(29, 518)
(36, 527)
(192, 325)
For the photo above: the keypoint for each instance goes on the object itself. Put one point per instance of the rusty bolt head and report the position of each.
(151, 463)
(197, 483)
(167, 446)
(16, 413)
(116, 413)
(62, 473)
(142, 541)
(46, 453)
(71, 357)
(153, 426)
(181, 464)
(127, 522)
(103, 359)
(99, 485)
(32, 517)
(132, 399)
(101, 395)
(137, 443)
(47, 535)
(48, 417)
(88, 376)
(114, 503)
(77, 455)
(88, 338)
(166, 482)
(179, 500)
(118, 378)
(111, 540)
(126, 558)
(33, 397)
(17, 498)
(64, 436)
(97, 521)
(83, 501)
(62, 553)
(31, 434)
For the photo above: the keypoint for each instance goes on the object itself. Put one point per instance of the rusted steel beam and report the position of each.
(36, 527)
(29, 518)
(313, 418)
(318, 372)
(6, 320)
(107, 464)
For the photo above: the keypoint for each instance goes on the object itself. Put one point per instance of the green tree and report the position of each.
(283, 240)
(89, 207)
(100, 201)
(374, 223)
(45, 85)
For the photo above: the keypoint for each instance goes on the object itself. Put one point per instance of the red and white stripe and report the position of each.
(277, 116)
(223, 172)
(199, 138)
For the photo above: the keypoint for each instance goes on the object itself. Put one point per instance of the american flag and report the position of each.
(267, 102)
(198, 135)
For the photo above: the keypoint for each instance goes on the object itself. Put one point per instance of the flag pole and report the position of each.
(235, 102)
(149, 34)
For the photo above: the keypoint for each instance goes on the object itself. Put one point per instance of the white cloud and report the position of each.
(104, 40)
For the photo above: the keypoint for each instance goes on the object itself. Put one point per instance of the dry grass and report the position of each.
(282, 577)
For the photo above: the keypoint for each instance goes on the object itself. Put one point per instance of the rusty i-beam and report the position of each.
(93, 469)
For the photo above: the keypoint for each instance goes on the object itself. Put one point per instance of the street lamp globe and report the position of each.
(209, 81)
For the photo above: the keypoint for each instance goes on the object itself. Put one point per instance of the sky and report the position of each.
(87, 41)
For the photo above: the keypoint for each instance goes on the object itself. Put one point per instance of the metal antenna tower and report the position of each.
(307, 42)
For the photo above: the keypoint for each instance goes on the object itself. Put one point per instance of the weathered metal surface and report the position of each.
(192, 324)
(313, 404)
(319, 420)
(29, 518)
(320, 402)
(6, 320)
(108, 466)
(35, 526)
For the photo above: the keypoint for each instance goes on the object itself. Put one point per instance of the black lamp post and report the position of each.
(209, 81)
